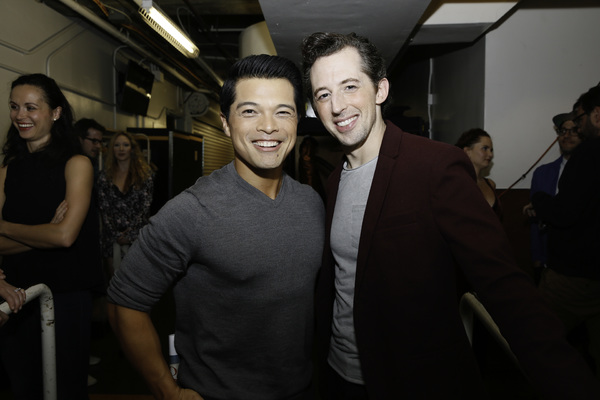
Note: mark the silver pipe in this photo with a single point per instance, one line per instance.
(107, 27)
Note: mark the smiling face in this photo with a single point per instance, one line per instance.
(262, 125)
(348, 103)
(122, 148)
(568, 139)
(31, 115)
(481, 153)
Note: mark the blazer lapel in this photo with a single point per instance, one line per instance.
(390, 148)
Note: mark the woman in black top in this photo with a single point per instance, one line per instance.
(48, 234)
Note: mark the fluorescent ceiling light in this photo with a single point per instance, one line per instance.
(162, 24)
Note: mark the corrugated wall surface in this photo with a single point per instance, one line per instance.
(217, 147)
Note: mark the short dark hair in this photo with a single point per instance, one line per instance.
(63, 143)
(590, 99)
(471, 137)
(322, 44)
(265, 67)
(84, 124)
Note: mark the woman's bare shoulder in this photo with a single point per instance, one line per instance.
(79, 165)
(79, 159)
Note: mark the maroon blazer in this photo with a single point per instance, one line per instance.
(423, 212)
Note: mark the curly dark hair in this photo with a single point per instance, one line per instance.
(63, 143)
(84, 124)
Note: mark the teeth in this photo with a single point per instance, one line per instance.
(25, 125)
(346, 122)
(264, 143)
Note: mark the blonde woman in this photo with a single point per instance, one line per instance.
(125, 188)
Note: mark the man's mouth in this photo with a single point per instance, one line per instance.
(346, 122)
(266, 143)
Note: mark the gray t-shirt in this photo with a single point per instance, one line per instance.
(243, 267)
(350, 205)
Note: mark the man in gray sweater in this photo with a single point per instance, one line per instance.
(242, 248)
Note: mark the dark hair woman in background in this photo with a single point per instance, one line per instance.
(477, 144)
(48, 234)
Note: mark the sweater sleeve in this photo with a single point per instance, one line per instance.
(161, 254)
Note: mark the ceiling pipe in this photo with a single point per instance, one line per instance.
(209, 70)
(109, 28)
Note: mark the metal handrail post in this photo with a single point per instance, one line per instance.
(48, 335)
(471, 306)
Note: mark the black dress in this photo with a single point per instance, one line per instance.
(33, 191)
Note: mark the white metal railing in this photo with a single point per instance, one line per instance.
(48, 336)
(470, 306)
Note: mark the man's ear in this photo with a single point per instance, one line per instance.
(225, 125)
(383, 89)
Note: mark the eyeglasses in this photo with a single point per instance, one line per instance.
(567, 131)
(94, 141)
(577, 118)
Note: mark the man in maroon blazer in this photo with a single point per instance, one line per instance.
(400, 210)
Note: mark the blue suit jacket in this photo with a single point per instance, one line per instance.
(573, 215)
(545, 179)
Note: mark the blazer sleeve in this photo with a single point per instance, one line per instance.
(482, 251)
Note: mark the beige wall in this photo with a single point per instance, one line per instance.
(538, 62)
(36, 39)
(532, 66)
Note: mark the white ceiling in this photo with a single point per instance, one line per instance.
(387, 23)
(215, 26)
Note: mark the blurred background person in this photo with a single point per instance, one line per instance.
(44, 179)
(571, 282)
(545, 179)
(312, 168)
(90, 135)
(477, 143)
(125, 187)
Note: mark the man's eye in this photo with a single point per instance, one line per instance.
(322, 96)
(248, 111)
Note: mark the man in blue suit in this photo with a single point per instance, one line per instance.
(571, 283)
(545, 179)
